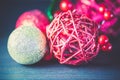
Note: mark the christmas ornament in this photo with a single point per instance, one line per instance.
(103, 39)
(33, 18)
(73, 38)
(107, 15)
(102, 8)
(27, 45)
(65, 5)
(107, 47)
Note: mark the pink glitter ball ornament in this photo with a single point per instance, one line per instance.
(33, 18)
(73, 38)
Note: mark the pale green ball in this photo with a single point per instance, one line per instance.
(27, 45)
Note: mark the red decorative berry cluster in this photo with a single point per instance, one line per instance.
(106, 13)
(65, 5)
(105, 45)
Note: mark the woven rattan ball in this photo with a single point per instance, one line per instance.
(73, 38)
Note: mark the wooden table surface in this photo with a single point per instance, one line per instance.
(103, 67)
(99, 69)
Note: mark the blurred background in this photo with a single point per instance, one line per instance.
(106, 66)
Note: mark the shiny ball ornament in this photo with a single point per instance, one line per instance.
(103, 39)
(73, 38)
(33, 18)
(107, 15)
(27, 45)
(107, 47)
(65, 5)
(101, 8)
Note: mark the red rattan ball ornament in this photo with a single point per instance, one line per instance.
(73, 38)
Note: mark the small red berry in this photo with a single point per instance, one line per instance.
(107, 15)
(103, 39)
(102, 9)
(65, 5)
(107, 47)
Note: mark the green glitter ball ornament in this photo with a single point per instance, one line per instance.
(27, 45)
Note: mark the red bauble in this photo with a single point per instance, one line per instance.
(73, 38)
(34, 18)
(107, 47)
(107, 15)
(65, 5)
(103, 39)
(101, 8)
